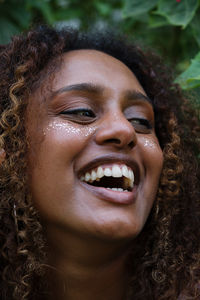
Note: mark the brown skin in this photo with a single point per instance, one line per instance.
(88, 236)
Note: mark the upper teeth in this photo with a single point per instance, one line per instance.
(112, 170)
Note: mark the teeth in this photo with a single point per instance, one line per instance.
(117, 189)
(131, 175)
(100, 172)
(108, 172)
(125, 171)
(115, 170)
(93, 175)
(87, 176)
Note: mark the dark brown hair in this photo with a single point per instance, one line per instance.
(166, 262)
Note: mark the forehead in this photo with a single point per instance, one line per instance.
(80, 66)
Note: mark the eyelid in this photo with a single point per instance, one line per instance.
(69, 101)
(143, 126)
(75, 115)
(144, 120)
(76, 110)
(140, 111)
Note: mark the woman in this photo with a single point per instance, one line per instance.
(99, 172)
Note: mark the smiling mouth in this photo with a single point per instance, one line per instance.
(115, 177)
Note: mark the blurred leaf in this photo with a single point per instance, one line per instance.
(43, 7)
(21, 16)
(178, 13)
(9, 29)
(191, 77)
(157, 21)
(158, 29)
(15, 13)
(66, 14)
(195, 25)
(103, 8)
(137, 7)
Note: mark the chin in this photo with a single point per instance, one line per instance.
(116, 230)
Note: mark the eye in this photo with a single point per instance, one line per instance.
(141, 125)
(79, 114)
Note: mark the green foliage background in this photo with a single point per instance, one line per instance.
(171, 27)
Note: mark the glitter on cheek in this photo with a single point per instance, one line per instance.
(67, 128)
(149, 142)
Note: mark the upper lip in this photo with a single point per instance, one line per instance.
(110, 159)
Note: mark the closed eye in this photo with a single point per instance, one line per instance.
(79, 114)
(141, 125)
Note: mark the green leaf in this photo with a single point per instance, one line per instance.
(67, 14)
(190, 79)
(8, 30)
(157, 21)
(134, 8)
(178, 13)
(195, 25)
(103, 8)
(43, 7)
(15, 13)
(21, 16)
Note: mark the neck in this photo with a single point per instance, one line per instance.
(87, 269)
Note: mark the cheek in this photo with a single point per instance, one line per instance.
(59, 145)
(52, 171)
(152, 157)
(66, 138)
(152, 160)
(152, 154)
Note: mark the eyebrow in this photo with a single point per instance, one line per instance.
(80, 87)
(92, 88)
(135, 95)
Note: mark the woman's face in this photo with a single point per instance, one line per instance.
(98, 133)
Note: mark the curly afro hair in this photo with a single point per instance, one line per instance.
(166, 262)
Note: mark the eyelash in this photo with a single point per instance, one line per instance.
(142, 121)
(78, 112)
(140, 124)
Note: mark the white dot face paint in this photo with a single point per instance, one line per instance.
(149, 142)
(67, 128)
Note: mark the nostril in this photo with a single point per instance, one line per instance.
(119, 142)
(131, 144)
(113, 141)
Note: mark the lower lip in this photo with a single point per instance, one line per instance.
(116, 197)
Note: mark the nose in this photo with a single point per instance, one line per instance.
(115, 130)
